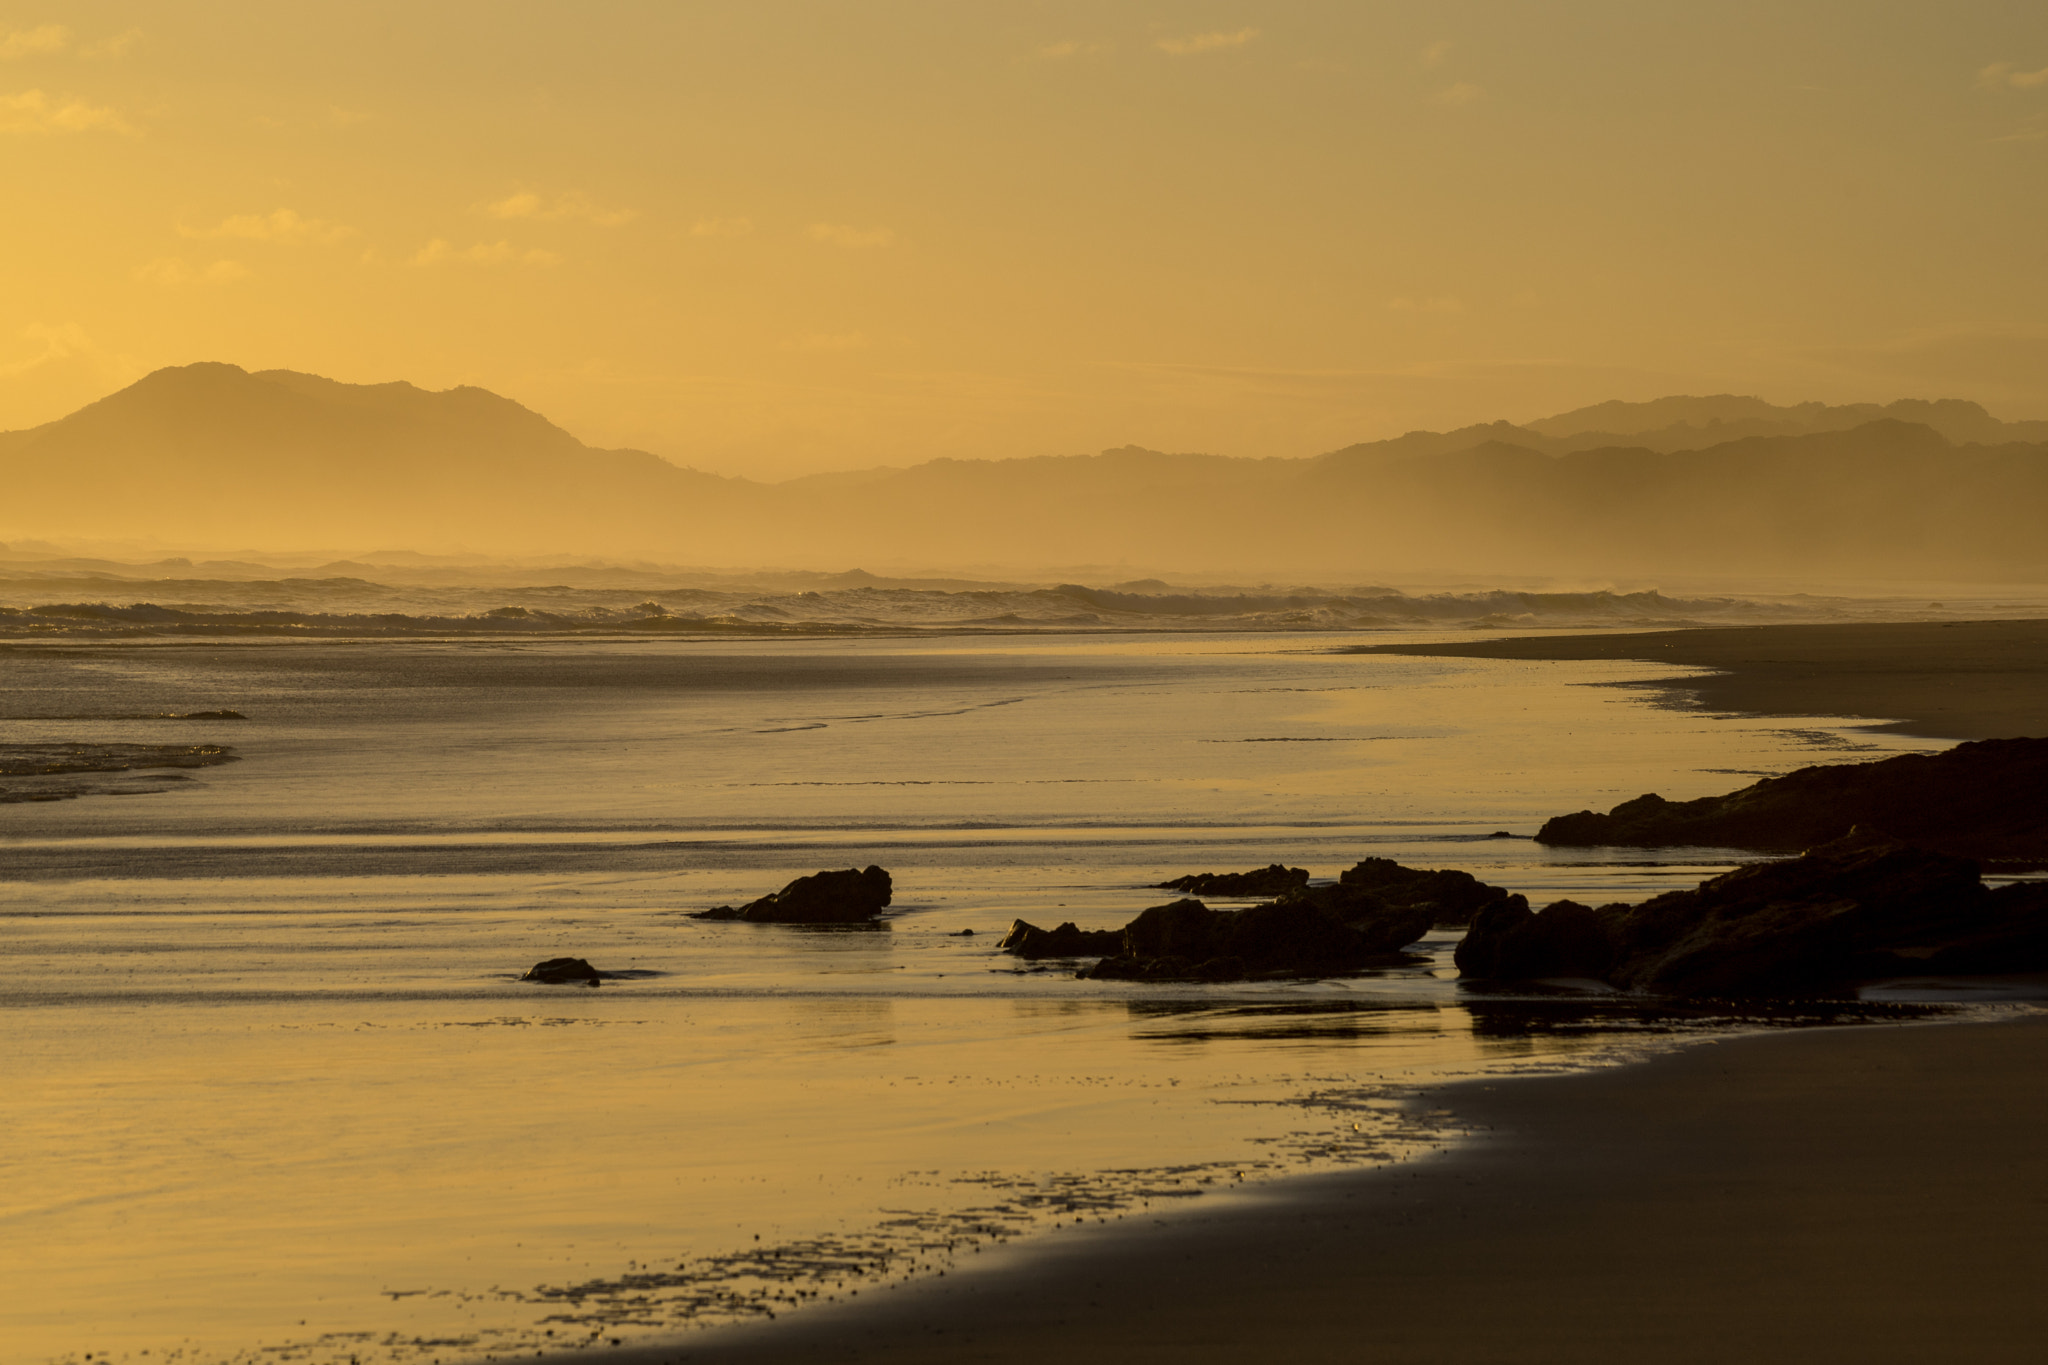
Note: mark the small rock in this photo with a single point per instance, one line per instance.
(562, 971)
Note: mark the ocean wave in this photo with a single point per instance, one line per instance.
(875, 610)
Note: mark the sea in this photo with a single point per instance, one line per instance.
(275, 1092)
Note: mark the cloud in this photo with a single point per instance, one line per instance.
(1061, 51)
(65, 370)
(483, 253)
(1441, 304)
(1433, 56)
(1205, 42)
(822, 341)
(34, 42)
(574, 204)
(172, 272)
(339, 117)
(2008, 76)
(111, 48)
(1459, 95)
(58, 343)
(280, 225)
(2034, 129)
(32, 112)
(844, 234)
(721, 227)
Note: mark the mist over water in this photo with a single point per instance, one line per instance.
(377, 1143)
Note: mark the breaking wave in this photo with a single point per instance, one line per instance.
(883, 610)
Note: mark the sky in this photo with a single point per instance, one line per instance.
(783, 236)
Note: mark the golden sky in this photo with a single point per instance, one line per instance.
(775, 236)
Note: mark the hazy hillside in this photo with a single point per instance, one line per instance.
(210, 455)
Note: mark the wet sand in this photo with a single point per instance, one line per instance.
(1947, 680)
(1872, 1193)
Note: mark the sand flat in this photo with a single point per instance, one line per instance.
(1944, 679)
(1872, 1193)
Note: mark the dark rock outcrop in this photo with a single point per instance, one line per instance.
(1028, 940)
(1987, 799)
(852, 896)
(562, 971)
(1509, 941)
(1860, 908)
(1451, 897)
(1271, 880)
(1320, 931)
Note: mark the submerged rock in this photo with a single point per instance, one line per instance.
(852, 896)
(561, 971)
(1859, 908)
(1028, 940)
(1987, 799)
(1451, 897)
(1271, 880)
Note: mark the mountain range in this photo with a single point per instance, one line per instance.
(210, 455)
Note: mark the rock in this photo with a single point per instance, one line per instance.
(1508, 941)
(1320, 931)
(1987, 799)
(560, 971)
(1028, 940)
(1451, 897)
(848, 897)
(1860, 908)
(1272, 880)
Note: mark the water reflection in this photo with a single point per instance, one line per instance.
(1193, 1021)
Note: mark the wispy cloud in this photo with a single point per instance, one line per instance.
(1195, 43)
(2008, 76)
(32, 112)
(845, 234)
(1069, 48)
(721, 227)
(340, 117)
(2034, 129)
(33, 42)
(110, 48)
(61, 342)
(1459, 95)
(173, 272)
(574, 204)
(1433, 56)
(483, 253)
(279, 225)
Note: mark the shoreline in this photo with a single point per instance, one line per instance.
(1957, 680)
(1869, 1192)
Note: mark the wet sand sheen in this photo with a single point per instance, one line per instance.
(1871, 1194)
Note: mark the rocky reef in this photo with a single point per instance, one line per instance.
(1451, 897)
(1859, 908)
(1320, 931)
(1271, 880)
(1029, 941)
(1987, 799)
(852, 896)
(1374, 911)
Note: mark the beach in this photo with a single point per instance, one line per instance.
(1867, 1193)
(1871, 1193)
(1946, 679)
(381, 1145)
